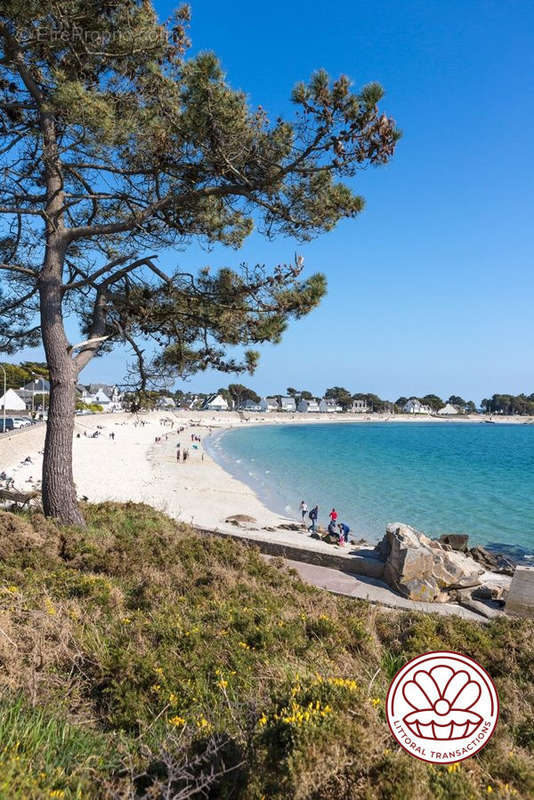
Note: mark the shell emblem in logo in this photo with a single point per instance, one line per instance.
(442, 699)
(442, 707)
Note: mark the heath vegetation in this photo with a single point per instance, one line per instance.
(141, 659)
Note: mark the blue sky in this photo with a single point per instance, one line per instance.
(431, 287)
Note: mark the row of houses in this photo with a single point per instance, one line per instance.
(289, 404)
(28, 398)
(285, 404)
(108, 396)
(415, 406)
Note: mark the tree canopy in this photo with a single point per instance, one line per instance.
(116, 145)
(509, 404)
(18, 375)
(240, 394)
(433, 401)
(341, 395)
(150, 149)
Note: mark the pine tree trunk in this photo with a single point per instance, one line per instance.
(58, 489)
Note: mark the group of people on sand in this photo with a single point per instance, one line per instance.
(184, 454)
(337, 531)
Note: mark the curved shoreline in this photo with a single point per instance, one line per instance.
(133, 467)
(279, 494)
(270, 499)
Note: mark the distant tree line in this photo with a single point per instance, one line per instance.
(19, 375)
(509, 404)
(236, 395)
(436, 403)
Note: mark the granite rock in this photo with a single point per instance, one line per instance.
(421, 568)
(456, 541)
(492, 561)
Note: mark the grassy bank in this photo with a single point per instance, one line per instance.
(139, 659)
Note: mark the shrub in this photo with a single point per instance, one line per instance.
(165, 661)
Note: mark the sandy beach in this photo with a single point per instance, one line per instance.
(134, 466)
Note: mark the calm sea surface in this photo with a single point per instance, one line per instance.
(441, 478)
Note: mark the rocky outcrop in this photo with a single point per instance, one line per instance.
(494, 591)
(456, 541)
(421, 568)
(467, 599)
(492, 561)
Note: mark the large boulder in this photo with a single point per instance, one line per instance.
(494, 562)
(420, 568)
(456, 541)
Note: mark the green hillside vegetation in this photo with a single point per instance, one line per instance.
(18, 375)
(142, 659)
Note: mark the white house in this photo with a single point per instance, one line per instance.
(12, 402)
(308, 406)
(215, 403)
(39, 386)
(192, 401)
(415, 406)
(448, 409)
(269, 404)
(104, 391)
(359, 407)
(106, 395)
(327, 406)
(250, 405)
(288, 404)
(101, 398)
(27, 393)
(166, 402)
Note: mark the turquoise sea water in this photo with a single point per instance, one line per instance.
(441, 478)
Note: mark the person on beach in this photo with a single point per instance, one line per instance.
(313, 515)
(332, 530)
(344, 531)
(178, 453)
(303, 509)
(333, 516)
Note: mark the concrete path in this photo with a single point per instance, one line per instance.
(300, 546)
(372, 590)
(338, 570)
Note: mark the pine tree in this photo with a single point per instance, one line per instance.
(115, 145)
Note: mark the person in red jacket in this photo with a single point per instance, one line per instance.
(333, 516)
